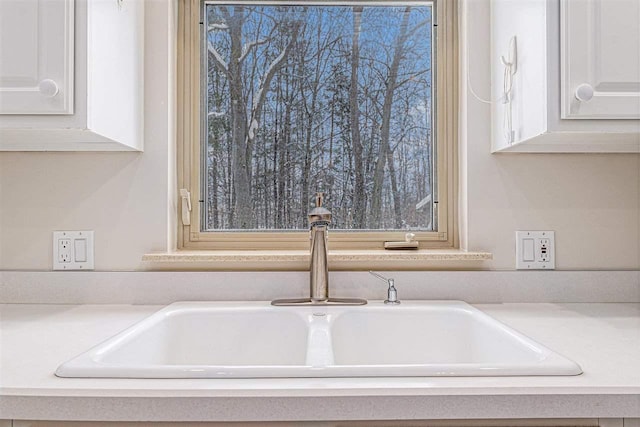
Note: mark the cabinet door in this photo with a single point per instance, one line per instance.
(36, 56)
(600, 58)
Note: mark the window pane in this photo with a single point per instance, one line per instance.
(300, 99)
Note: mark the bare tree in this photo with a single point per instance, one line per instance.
(245, 119)
(335, 100)
(358, 191)
(384, 153)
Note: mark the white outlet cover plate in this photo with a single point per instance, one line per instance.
(524, 262)
(82, 240)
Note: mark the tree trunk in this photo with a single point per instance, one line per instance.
(245, 122)
(394, 190)
(310, 112)
(392, 79)
(241, 164)
(358, 190)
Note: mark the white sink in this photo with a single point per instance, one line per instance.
(255, 340)
(439, 339)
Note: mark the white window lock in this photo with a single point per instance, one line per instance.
(186, 206)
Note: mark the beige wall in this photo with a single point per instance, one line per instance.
(591, 201)
(122, 196)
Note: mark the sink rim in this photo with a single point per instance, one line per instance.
(89, 365)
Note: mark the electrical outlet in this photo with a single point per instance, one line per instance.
(64, 250)
(543, 251)
(73, 250)
(535, 250)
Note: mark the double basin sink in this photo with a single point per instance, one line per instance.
(257, 340)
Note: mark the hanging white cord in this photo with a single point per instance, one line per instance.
(509, 71)
(507, 87)
(465, 23)
(475, 94)
(507, 123)
(471, 87)
(507, 81)
(510, 67)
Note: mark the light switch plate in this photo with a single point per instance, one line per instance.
(73, 250)
(535, 250)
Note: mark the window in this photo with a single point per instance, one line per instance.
(279, 100)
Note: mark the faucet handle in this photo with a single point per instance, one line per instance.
(319, 214)
(392, 292)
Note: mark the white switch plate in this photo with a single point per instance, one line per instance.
(73, 250)
(535, 250)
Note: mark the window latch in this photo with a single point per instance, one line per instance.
(186, 206)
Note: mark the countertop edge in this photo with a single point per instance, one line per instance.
(329, 408)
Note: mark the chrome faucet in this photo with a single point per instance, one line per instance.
(319, 220)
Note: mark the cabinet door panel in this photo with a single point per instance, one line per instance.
(600, 53)
(36, 57)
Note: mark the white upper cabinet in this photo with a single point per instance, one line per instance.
(600, 54)
(71, 75)
(36, 57)
(575, 82)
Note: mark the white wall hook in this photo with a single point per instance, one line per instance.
(512, 60)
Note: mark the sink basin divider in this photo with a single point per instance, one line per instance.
(319, 346)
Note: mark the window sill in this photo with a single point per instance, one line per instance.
(425, 259)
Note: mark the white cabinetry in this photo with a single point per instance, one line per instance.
(104, 42)
(36, 57)
(563, 45)
(600, 54)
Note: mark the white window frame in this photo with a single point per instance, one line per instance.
(190, 236)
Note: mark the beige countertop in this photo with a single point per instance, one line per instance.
(603, 338)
